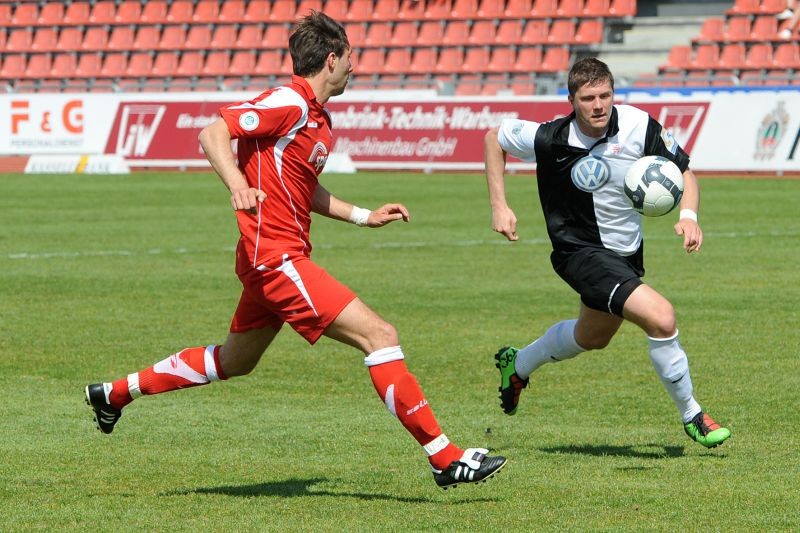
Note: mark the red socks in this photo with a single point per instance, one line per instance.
(188, 368)
(399, 390)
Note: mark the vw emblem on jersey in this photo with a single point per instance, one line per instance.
(590, 173)
(249, 120)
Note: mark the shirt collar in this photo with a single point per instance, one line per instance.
(307, 91)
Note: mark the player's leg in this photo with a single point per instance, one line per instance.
(359, 326)
(653, 313)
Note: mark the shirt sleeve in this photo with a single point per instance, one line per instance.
(517, 138)
(272, 116)
(660, 141)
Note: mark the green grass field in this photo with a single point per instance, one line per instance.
(102, 276)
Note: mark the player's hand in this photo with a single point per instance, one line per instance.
(692, 234)
(504, 221)
(387, 213)
(247, 199)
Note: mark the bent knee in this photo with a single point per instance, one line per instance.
(383, 335)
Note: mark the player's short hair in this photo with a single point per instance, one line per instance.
(588, 70)
(314, 37)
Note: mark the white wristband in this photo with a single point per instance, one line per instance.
(359, 216)
(688, 213)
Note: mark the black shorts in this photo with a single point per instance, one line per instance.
(603, 278)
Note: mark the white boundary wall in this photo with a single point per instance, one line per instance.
(725, 132)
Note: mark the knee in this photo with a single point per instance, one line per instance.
(663, 324)
(383, 335)
(593, 342)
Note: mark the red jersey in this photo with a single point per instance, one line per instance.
(284, 138)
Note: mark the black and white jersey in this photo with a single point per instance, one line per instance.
(595, 212)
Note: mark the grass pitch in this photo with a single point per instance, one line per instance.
(102, 276)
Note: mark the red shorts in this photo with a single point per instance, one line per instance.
(290, 289)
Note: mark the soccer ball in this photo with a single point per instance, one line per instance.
(654, 185)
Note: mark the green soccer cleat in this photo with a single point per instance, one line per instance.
(704, 430)
(511, 384)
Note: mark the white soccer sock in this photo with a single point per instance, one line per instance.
(557, 344)
(672, 366)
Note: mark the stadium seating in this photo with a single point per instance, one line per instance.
(180, 44)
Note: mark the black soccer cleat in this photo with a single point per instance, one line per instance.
(473, 467)
(105, 416)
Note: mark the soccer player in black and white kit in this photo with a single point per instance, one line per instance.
(597, 235)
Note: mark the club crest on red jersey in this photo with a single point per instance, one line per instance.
(319, 155)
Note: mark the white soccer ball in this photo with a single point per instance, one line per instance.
(654, 185)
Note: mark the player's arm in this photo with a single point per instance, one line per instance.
(503, 218)
(326, 204)
(687, 224)
(216, 142)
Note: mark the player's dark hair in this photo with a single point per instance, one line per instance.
(588, 70)
(314, 37)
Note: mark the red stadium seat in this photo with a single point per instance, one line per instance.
(269, 62)
(590, 31)
(13, 66)
(562, 31)
(468, 85)
(453, 59)
(423, 60)
(706, 57)
(356, 33)
(490, 9)
(165, 63)
(232, 11)
(217, 63)
(743, 7)
(622, 8)
(738, 29)
(509, 32)
(570, 8)
(712, 31)
(787, 56)
(69, 38)
(779, 77)
(457, 32)
(19, 40)
(224, 36)
(115, 64)
(172, 38)
(25, 15)
(89, 65)
(306, 6)
(370, 61)
(431, 33)
(250, 36)
(378, 34)
(529, 59)
(482, 31)
(276, 35)
(751, 78)
(536, 32)
(140, 64)
(494, 83)
(698, 78)
(771, 7)
(337, 9)
(180, 11)
(128, 12)
(403, 34)
(44, 40)
(764, 28)
(190, 64)
(243, 63)
(154, 12)
(147, 38)
(206, 11)
(122, 38)
(95, 38)
(51, 14)
(464, 9)
(523, 84)
(732, 56)
(518, 9)
(759, 56)
(556, 59)
(398, 60)
(283, 11)
(502, 59)
(596, 8)
(360, 10)
(411, 10)
(103, 12)
(544, 9)
(437, 10)
(198, 37)
(679, 58)
(385, 10)
(724, 78)
(38, 66)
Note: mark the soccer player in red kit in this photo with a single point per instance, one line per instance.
(284, 137)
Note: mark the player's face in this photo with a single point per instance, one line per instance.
(592, 105)
(341, 72)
